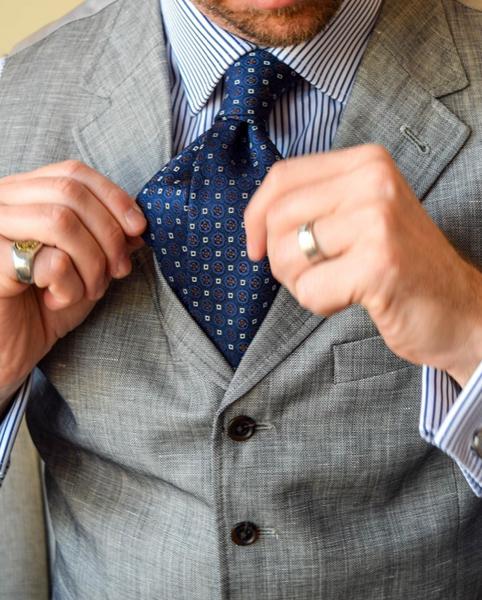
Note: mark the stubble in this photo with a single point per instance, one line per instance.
(277, 27)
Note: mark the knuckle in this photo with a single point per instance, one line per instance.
(377, 152)
(63, 219)
(115, 196)
(384, 180)
(73, 167)
(378, 304)
(277, 174)
(60, 264)
(390, 188)
(380, 173)
(69, 188)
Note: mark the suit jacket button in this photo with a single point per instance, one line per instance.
(244, 533)
(241, 428)
(477, 442)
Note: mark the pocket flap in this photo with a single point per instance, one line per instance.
(364, 358)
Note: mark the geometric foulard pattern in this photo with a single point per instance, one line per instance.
(195, 208)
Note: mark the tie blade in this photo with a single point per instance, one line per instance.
(195, 209)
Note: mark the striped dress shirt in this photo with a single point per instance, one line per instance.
(303, 121)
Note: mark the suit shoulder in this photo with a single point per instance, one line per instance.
(62, 46)
(87, 10)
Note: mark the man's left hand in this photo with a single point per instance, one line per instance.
(380, 249)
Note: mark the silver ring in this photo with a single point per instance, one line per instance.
(23, 255)
(308, 244)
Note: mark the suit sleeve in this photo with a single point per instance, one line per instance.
(451, 419)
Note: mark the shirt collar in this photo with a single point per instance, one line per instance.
(203, 51)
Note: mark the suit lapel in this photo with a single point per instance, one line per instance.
(394, 101)
(127, 136)
(410, 60)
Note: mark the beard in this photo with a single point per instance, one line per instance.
(276, 27)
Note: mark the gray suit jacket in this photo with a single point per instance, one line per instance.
(143, 482)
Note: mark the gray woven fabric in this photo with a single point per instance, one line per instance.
(23, 547)
(143, 483)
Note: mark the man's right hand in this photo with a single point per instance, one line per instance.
(89, 228)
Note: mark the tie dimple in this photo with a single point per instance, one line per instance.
(195, 207)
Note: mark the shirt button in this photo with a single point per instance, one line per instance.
(477, 442)
(244, 533)
(241, 428)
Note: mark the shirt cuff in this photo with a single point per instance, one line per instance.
(11, 424)
(451, 417)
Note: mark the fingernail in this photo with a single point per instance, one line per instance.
(135, 219)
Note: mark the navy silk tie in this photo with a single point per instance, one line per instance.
(195, 207)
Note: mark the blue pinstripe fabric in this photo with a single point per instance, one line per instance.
(449, 418)
(303, 121)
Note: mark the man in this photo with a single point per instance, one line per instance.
(184, 460)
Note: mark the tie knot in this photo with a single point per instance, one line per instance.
(252, 84)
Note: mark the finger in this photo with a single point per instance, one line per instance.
(134, 244)
(59, 227)
(55, 271)
(96, 218)
(341, 194)
(294, 174)
(334, 235)
(122, 207)
(331, 285)
(52, 269)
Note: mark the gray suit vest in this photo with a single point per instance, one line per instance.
(144, 483)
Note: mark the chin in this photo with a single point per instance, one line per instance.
(274, 4)
(271, 22)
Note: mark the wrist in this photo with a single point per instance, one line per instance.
(5, 405)
(468, 356)
(7, 394)
(463, 373)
